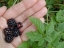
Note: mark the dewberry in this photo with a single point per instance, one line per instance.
(15, 32)
(7, 31)
(11, 23)
(8, 38)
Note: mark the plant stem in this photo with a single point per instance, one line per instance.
(15, 2)
(53, 11)
(47, 16)
(59, 4)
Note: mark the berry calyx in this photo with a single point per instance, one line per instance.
(19, 25)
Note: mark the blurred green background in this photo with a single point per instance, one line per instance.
(8, 3)
(53, 6)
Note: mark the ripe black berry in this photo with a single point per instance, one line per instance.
(19, 25)
(11, 22)
(7, 31)
(8, 38)
(15, 32)
(12, 28)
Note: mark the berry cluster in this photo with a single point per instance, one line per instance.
(12, 30)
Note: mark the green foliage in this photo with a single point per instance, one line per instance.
(35, 36)
(62, 36)
(50, 28)
(61, 45)
(61, 27)
(24, 45)
(51, 34)
(38, 24)
(35, 45)
(8, 3)
(60, 16)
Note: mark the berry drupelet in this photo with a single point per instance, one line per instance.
(7, 31)
(15, 32)
(11, 23)
(8, 38)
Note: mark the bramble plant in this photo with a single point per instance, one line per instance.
(48, 35)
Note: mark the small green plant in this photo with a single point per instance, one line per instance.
(47, 35)
(8, 3)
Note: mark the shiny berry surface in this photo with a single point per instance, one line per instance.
(11, 22)
(9, 38)
(7, 31)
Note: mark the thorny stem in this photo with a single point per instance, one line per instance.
(47, 16)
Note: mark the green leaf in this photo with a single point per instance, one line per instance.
(60, 27)
(34, 36)
(56, 37)
(49, 45)
(30, 42)
(24, 45)
(60, 16)
(49, 2)
(62, 36)
(39, 25)
(10, 3)
(48, 39)
(50, 28)
(61, 45)
(35, 45)
(41, 42)
(56, 41)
